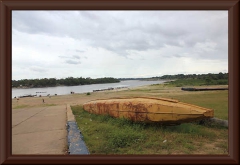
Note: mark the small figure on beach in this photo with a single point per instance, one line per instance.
(43, 100)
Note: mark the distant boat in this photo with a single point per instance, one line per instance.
(27, 96)
(203, 89)
(159, 110)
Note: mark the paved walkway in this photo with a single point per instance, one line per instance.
(39, 130)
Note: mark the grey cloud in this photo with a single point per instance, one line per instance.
(178, 56)
(71, 57)
(81, 51)
(72, 62)
(76, 57)
(123, 31)
(34, 22)
(37, 69)
(89, 15)
(63, 56)
(174, 55)
(75, 50)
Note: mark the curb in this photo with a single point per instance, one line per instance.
(76, 143)
(215, 121)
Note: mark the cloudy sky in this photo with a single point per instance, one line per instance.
(60, 44)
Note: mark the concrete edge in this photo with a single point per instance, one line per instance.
(75, 140)
(221, 122)
(70, 116)
(215, 121)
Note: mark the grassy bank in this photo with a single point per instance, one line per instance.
(217, 100)
(197, 82)
(107, 135)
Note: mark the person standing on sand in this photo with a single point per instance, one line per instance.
(43, 100)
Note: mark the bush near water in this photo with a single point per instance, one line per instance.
(181, 80)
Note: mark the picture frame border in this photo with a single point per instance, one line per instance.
(6, 7)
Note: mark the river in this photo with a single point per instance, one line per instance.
(64, 90)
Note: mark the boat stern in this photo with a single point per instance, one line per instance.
(209, 113)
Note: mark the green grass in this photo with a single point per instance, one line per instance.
(217, 100)
(185, 82)
(106, 135)
(24, 106)
(47, 105)
(196, 82)
(20, 106)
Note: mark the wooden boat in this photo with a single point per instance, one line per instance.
(160, 110)
(27, 96)
(203, 89)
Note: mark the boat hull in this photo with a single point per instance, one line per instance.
(148, 110)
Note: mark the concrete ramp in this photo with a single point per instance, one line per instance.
(40, 130)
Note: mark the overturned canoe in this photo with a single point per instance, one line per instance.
(159, 110)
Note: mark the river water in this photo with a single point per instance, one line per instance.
(65, 90)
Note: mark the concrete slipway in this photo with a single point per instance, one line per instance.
(46, 130)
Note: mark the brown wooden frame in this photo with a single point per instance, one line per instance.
(6, 6)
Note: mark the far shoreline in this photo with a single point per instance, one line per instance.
(25, 87)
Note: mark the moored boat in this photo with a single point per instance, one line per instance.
(160, 110)
(27, 96)
(203, 89)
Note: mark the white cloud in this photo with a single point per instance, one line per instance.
(207, 46)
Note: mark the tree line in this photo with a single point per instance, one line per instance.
(197, 79)
(69, 81)
(210, 76)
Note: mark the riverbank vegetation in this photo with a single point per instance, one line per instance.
(197, 82)
(70, 81)
(213, 76)
(174, 80)
(181, 80)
